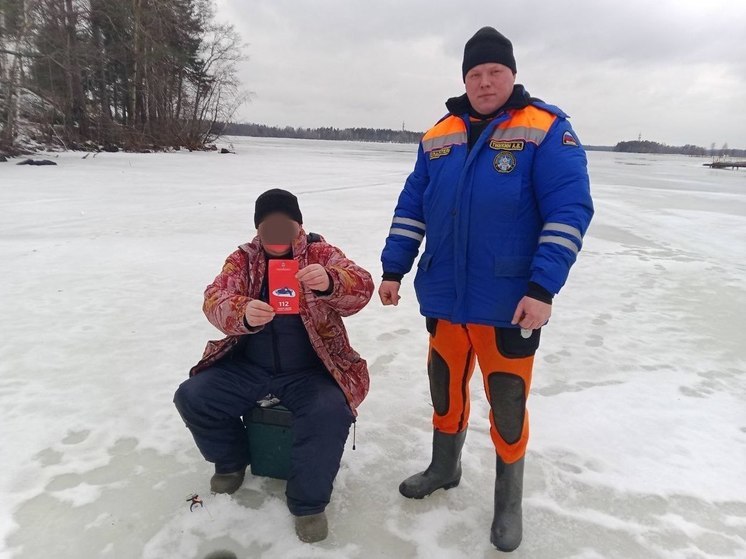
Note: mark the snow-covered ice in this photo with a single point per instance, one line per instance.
(638, 406)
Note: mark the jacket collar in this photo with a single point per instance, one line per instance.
(519, 99)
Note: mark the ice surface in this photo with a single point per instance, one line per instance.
(638, 406)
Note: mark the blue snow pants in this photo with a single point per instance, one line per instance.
(212, 402)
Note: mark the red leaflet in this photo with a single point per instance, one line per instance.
(284, 289)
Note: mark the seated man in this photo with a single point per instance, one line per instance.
(304, 359)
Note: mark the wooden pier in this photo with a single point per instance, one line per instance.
(725, 164)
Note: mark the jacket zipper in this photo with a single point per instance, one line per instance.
(275, 350)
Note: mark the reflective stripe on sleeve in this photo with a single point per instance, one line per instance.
(562, 228)
(567, 243)
(408, 221)
(406, 233)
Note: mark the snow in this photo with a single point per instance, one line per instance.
(638, 406)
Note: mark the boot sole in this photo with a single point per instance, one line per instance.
(446, 487)
(229, 490)
(505, 549)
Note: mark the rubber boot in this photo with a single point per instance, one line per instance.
(444, 470)
(312, 528)
(227, 483)
(507, 524)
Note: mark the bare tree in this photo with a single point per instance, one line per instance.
(15, 27)
(139, 73)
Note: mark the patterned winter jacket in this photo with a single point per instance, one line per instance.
(240, 281)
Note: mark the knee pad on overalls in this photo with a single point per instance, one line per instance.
(508, 402)
(508, 390)
(440, 378)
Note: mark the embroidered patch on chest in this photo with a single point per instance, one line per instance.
(504, 162)
(440, 152)
(515, 145)
(569, 140)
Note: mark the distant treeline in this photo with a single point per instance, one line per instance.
(324, 133)
(646, 146)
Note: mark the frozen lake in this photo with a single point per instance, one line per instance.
(638, 405)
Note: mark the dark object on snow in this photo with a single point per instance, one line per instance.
(110, 148)
(444, 471)
(195, 502)
(725, 164)
(227, 483)
(36, 162)
(507, 524)
(312, 528)
(226, 150)
(3, 159)
(221, 554)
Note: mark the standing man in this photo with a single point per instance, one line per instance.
(304, 358)
(500, 188)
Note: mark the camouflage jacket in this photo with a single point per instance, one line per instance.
(240, 281)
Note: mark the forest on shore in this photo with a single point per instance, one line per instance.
(136, 74)
(646, 146)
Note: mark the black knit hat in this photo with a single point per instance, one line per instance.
(487, 45)
(277, 201)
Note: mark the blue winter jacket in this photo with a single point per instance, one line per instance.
(511, 210)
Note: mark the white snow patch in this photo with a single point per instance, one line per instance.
(638, 405)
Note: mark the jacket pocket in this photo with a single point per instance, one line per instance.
(512, 267)
(513, 343)
(425, 261)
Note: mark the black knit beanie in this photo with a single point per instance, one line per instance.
(487, 45)
(277, 201)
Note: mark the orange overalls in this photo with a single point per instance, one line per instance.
(506, 358)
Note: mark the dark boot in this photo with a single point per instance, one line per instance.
(227, 483)
(443, 472)
(507, 524)
(312, 528)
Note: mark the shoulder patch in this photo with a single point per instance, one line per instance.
(569, 140)
(440, 152)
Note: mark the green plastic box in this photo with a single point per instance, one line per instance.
(270, 439)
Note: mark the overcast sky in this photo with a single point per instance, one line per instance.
(672, 70)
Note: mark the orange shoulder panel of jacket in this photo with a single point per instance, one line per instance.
(530, 117)
(449, 125)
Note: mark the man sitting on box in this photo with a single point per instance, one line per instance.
(295, 348)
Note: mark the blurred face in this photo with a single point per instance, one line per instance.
(277, 233)
(488, 86)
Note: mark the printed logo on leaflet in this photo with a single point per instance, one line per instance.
(504, 162)
(440, 152)
(283, 292)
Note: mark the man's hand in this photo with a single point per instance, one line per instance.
(389, 292)
(258, 313)
(315, 277)
(532, 314)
